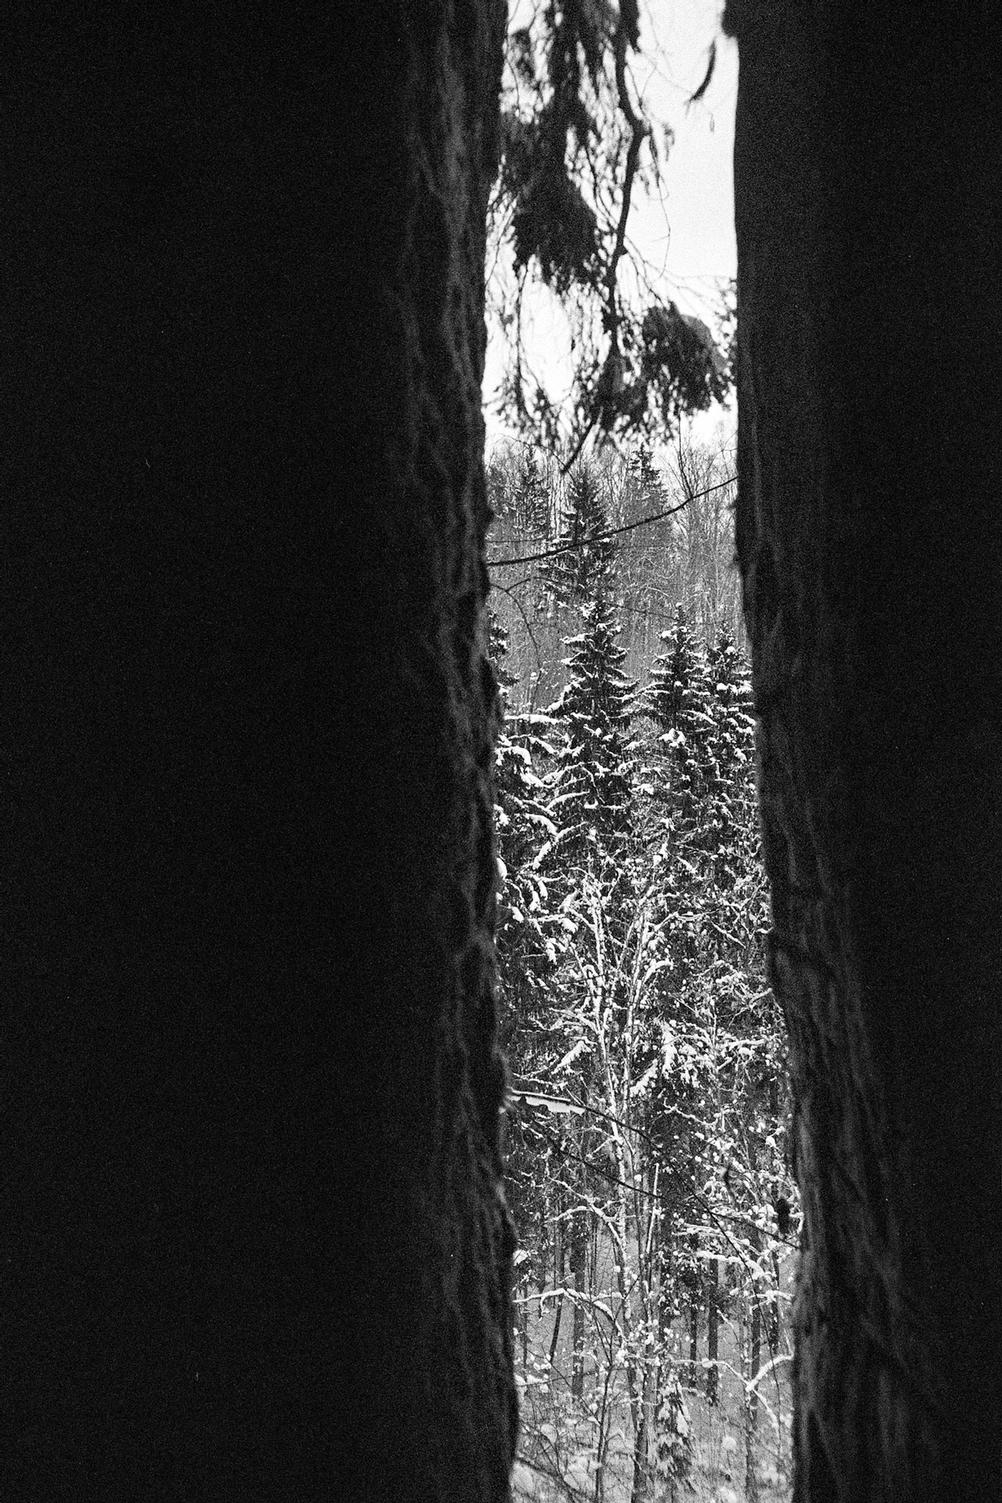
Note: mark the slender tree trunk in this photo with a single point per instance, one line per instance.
(751, 1399)
(251, 1094)
(579, 1267)
(867, 165)
(667, 1292)
(643, 1436)
(694, 1309)
(559, 1270)
(772, 1311)
(555, 1334)
(659, 1446)
(713, 1332)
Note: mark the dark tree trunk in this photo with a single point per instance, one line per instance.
(870, 542)
(579, 1265)
(247, 863)
(772, 1308)
(751, 1399)
(713, 1332)
(667, 1290)
(555, 1334)
(559, 1267)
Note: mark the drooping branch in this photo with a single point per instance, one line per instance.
(639, 131)
(573, 164)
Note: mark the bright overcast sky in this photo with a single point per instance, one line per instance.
(688, 239)
(698, 177)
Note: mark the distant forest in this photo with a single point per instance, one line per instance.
(647, 1161)
(683, 558)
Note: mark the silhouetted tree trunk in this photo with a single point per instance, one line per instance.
(667, 1294)
(579, 1265)
(250, 1230)
(870, 542)
(713, 1331)
(751, 1398)
(559, 1267)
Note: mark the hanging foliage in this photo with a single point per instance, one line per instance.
(579, 153)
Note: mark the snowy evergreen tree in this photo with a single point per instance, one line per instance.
(586, 568)
(592, 803)
(730, 686)
(665, 699)
(678, 701)
(644, 474)
(674, 1442)
(531, 494)
(731, 775)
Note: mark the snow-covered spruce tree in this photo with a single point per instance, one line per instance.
(715, 999)
(674, 1442)
(586, 568)
(644, 475)
(697, 759)
(677, 700)
(666, 694)
(591, 808)
(677, 707)
(593, 796)
(731, 791)
(531, 493)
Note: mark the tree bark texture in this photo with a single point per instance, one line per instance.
(251, 1234)
(870, 544)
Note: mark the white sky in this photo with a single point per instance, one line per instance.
(688, 238)
(700, 197)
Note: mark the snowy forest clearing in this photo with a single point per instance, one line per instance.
(647, 1166)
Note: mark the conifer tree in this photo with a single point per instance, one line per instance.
(664, 699)
(730, 686)
(644, 475)
(677, 700)
(731, 791)
(586, 568)
(594, 795)
(592, 809)
(674, 1443)
(531, 494)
